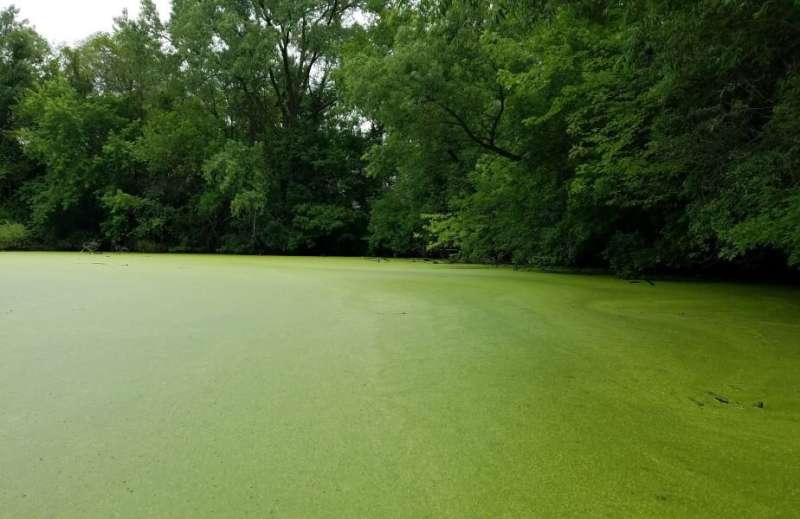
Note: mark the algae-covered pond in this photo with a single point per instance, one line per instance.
(200, 386)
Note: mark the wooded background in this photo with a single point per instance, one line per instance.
(636, 135)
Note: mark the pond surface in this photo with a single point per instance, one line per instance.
(209, 386)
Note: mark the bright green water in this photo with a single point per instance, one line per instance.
(192, 386)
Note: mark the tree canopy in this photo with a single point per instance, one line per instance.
(637, 135)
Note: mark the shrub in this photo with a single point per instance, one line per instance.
(13, 236)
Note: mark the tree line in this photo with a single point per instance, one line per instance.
(636, 135)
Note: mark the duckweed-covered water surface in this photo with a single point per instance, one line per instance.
(201, 386)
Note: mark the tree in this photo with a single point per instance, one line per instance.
(636, 135)
(641, 135)
(265, 69)
(24, 61)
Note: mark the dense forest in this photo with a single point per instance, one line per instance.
(636, 135)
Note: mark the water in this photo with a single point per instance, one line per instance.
(210, 386)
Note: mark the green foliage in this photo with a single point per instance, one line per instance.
(220, 131)
(23, 63)
(641, 136)
(132, 218)
(13, 236)
(314, 222)
(445, 232)
(67, 134)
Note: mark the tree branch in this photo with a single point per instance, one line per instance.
(496, 121)
(488, 145)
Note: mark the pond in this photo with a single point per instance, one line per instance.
(214, 386)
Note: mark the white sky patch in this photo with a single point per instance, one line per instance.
(71, 21)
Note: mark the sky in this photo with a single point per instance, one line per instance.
(70, 21)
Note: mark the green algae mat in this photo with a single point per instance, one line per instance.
(200, 386)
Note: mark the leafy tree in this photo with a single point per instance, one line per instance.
(640, 135)
(265, 69)
(24, 61)
(66, 133)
